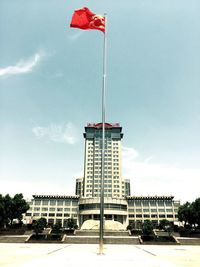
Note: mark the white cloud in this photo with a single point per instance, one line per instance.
(23, 66)
(60, 133)
(149, 178)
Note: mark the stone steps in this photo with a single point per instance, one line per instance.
(189, 241)
(96, 233)
(110, 237)
(107, 240)
(13, 239)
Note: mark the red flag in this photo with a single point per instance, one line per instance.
(86, 20)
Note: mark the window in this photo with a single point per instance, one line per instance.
(169, 210)
(152, 202)
(44, 214)
(66, 209)
(161, 210)
(44, 209)
(169, 216)
(145, 203)
(67, 202)
(52, 202)
(51, 214)
(74, 209)
(168, 203)
(138, 210)
(74, 203)
(59, 209)
(37, 202)
(108, 185)
(137, 203)
(36, 214)
(161, 203)
(131, 210)
(45, 202)
(59, 214)
(145, 210)
(52, 209)
(36, 209)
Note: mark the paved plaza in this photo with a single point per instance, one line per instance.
(71, 255)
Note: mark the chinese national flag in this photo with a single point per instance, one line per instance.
(86, 20)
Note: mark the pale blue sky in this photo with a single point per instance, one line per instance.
(50, 88)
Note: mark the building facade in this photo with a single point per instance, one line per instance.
(114, 185)
(118, 204)
(55, 208)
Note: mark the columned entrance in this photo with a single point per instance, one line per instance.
(114, 210)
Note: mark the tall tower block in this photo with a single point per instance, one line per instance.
(114, 184)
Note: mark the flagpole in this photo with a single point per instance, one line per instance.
(101, 230)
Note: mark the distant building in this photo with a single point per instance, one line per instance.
(118, 204)
(55, 208)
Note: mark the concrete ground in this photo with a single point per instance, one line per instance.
(72, 255)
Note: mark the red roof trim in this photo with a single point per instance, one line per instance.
(99, 125)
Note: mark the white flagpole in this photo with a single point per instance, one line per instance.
(101, 232)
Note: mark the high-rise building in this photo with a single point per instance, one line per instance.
(114, 184)
(118, 204)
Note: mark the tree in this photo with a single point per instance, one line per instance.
(56, 227)
(189, 213)
(12, 208)
(1, 211)
(166, 226)
(184, 213)
(39, 225)
(71, 223)
(147, 228)
(18, 207)
(163, 223)
(196, 210)
(5, 210)
(192, 215)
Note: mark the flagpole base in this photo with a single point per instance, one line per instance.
(101, 249)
